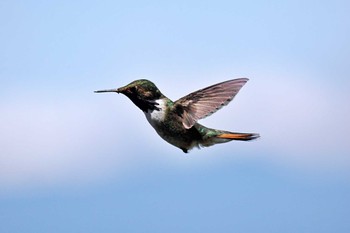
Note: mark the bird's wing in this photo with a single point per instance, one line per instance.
(204, 102)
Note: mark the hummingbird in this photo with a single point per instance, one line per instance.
(176, 122)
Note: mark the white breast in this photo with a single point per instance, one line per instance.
(156, 116)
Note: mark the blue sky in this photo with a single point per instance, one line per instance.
(74, 161)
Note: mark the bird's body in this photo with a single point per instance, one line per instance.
(176, 122)
(170, 128)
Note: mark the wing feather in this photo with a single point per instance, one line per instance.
(206, 101)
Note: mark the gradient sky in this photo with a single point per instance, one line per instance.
(75, 161)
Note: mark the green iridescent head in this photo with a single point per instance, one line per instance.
(141, 89)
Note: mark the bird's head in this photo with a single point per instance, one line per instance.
(141, 89)
(142, 92)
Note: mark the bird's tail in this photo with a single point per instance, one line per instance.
(238, 136)
(213, 136)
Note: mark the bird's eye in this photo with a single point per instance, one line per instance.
(133, 89)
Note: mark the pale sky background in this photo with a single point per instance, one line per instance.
(75, 161)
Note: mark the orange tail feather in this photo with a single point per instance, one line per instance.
(239, 136)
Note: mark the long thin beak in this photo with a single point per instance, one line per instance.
(108, 90)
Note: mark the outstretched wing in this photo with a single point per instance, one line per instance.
(205, 102)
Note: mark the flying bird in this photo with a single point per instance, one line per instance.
(176, 122)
